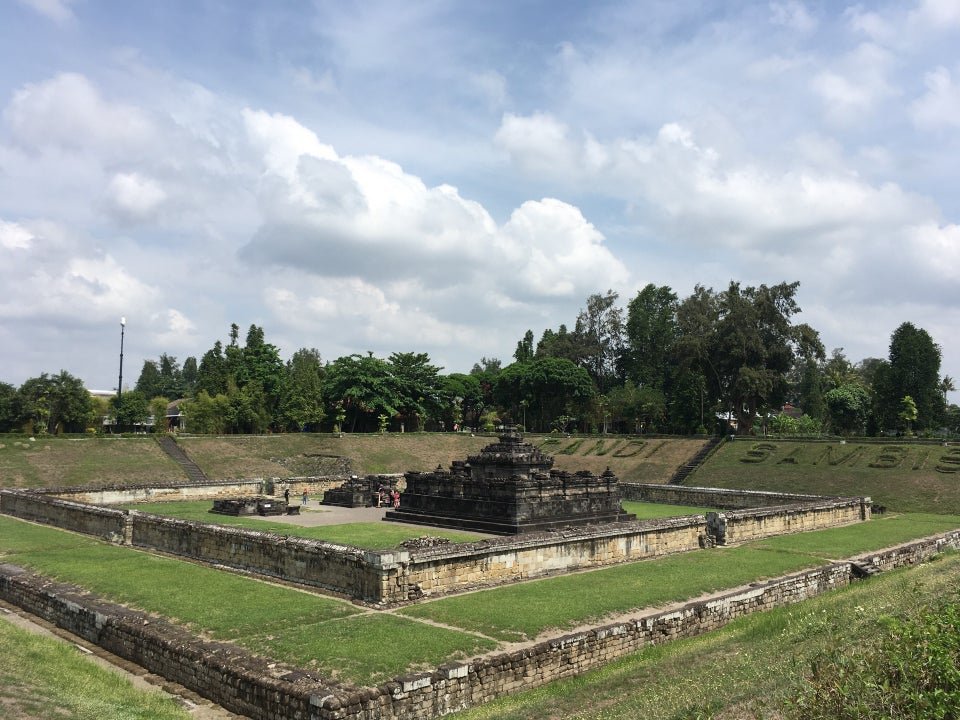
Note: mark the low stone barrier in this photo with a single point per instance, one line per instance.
(66, 514)
(260, 688)
(355, 572)
(397, 576)
(182, 490)
(720, 498)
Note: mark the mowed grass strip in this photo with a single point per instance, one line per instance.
(564, 602)
(371, 648)
(45, 678)
(748, 669)
(333, 636)
(368, 535)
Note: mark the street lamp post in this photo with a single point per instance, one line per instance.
(123, 323)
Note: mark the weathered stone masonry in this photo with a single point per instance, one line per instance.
(400, 575)
(263, 689)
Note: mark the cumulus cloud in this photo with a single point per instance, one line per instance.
(14, 236)
(365, 217)
(856, 85)
(69, 112)
(939, 107)
(134, 197)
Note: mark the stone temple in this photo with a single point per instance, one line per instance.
(509, 488)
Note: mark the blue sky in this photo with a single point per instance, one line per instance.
(441, 176)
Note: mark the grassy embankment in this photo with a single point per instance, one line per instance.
(41, 678)
(903, 476)
(57, 461)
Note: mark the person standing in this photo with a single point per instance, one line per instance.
(305, 499)
(286, 496)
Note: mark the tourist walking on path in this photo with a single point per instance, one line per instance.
(306, 498)
(286, 496)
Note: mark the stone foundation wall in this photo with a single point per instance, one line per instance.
(401, 575)
(756, 523)
(79, 517)
(339, 568)
(261, 689)
(720, 498)
(171, 492)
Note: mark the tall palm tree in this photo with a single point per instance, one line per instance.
(946, 385)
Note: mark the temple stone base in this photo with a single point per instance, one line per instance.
(360, 491)
(507, 489)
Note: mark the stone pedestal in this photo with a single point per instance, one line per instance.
(509, 488)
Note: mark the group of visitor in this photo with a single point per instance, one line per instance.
(388, 496)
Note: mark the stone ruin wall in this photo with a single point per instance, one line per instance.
(398, 576)
(721, 498)
(262, 689)
(176, 491)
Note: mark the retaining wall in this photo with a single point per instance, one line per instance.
(66, 514)
(401, 575)
(262, 689)
(171, 492)
(720, 498)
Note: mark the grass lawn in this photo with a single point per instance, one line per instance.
(369, 535)
(57, 461)
(331, 635)
(341, 640)
(42, 678)
(748, 669)
(902, 476)
(567, 601)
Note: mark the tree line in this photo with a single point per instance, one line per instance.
(715, 361)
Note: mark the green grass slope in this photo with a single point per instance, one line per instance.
(903, 476)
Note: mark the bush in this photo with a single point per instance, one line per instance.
(912, 672)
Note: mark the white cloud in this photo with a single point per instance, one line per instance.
(135, 197)
(937, 14)
(14, 236)
(68, 112)
(57, 10)
(855, 87)
(793, 14)
(339, 216)
(939, 107)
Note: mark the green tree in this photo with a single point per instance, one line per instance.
(213, 377)
(913, 369)
(551, 386)
(53, 404)
(599, 330)
(189, 375)
(207, 414)
(908, 413)
(363, 387)
(418, 387)
(130, 409)
(158, 411)
(150, 384)
(651, 333)
(9, 411)
(524, 351)
(746, 345)
(301, 407)
(849, 407)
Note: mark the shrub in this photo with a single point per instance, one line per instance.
(912, 672)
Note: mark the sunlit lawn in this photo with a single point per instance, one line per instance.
(339, 639)
(369, 535)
